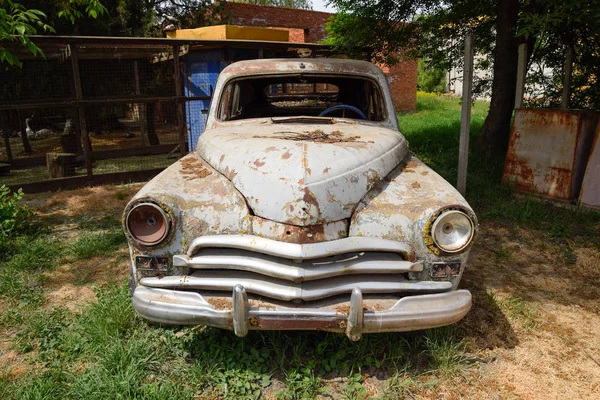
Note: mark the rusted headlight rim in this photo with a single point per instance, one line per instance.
(428, 231)
(165, 214)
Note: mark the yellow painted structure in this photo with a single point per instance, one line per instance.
(234, 32)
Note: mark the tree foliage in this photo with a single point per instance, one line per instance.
(430, 78)
(18, 22)
(434, 30)
(301, 4)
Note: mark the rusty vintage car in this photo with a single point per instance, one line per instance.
(300, 208)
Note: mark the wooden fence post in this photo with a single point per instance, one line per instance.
(465, 116)
(81, 110)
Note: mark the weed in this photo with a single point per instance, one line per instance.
(20, 288)
(105, 223)
(353, 389)
(559, 230)
(42, 329)
(15, 218)
(520, 310)
(301, 383)
(401, 386)
(109, 318)
(120, 195)
(94, 244)
(503, 254)
(445, 351)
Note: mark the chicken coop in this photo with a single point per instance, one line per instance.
(101, 110)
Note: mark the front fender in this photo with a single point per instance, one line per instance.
(200, 200)
(403, 206)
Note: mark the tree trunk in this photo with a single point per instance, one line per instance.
(495, 132)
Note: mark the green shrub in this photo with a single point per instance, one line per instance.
(14, 217)
(431, 78)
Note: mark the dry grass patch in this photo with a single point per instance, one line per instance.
(88, 201)
(71, 285)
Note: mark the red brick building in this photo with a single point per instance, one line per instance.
(307, 26)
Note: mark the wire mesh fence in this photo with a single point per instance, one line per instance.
(90, 110)
(111, 109)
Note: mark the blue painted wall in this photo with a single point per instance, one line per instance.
(201, 69)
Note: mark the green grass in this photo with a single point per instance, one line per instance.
(106, 351)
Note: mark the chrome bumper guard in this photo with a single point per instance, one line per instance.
(408, 314)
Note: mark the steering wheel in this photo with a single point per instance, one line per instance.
(343, 107)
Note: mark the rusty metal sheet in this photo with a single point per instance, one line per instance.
(548, 151)
(590, 188)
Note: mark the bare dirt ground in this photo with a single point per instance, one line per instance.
(533, 332)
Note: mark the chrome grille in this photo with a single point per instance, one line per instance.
(287, 271)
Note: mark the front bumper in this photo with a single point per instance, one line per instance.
(407, 314)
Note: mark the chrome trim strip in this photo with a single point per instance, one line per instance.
(347, 264)
(283, 290)
(295, 251)
(408, 314)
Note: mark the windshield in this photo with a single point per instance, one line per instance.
(301, 95)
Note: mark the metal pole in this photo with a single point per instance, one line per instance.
(178, 94)
(465, 117)
(521, 74)
(81, 110)
(567, 78)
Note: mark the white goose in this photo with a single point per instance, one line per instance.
(42, 133)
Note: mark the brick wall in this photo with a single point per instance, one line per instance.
(311, 23)
(307, 26)
(402, 79)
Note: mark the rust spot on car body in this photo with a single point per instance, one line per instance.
(220, 303)
(192, 168)
(326, 170)
(310, 198)
(415, 185)
(259, 163)
(286, 155)
(312, 136)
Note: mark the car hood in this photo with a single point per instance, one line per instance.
(303, 174)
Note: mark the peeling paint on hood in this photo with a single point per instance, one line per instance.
(303, 174)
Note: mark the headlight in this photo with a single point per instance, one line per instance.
(148, 224)
(452, 231)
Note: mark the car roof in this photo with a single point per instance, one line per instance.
(303, 65)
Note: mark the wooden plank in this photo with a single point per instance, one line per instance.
(80, 181)
(99, 101)
(465, 116)
(28, 162)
